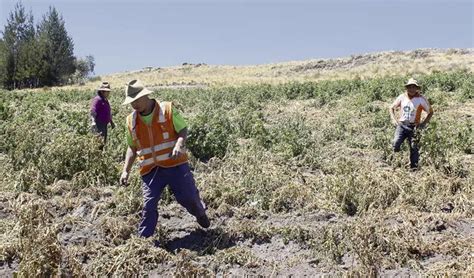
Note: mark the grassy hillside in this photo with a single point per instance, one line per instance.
(299, 178)
(363, 66)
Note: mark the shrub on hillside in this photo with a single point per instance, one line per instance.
(210, 135)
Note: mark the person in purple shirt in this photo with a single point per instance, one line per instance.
(101, 114)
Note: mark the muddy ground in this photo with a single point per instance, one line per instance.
(225, 250)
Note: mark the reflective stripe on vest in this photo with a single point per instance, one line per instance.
(150, 161)
(161, 113)
(157, 148)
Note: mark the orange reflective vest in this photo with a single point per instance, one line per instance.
(155, 142)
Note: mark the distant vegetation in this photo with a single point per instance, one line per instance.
(32, 57)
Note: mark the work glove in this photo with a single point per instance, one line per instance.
(124, 178)
(177, 151)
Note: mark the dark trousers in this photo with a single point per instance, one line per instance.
(407, 132)
(181, 182)
(102, 130)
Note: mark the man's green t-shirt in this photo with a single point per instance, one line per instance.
(178, 122)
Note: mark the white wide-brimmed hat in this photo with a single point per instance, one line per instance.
(412, 81)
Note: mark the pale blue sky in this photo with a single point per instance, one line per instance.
(129, 35)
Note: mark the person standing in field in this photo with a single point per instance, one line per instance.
(100, 112)
(411, 103)
(156, 134)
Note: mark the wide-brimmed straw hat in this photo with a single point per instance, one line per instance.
(412, 81)
(134, 91)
